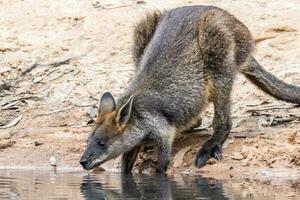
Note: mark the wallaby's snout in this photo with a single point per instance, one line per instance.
(83, 162)
(87, 159)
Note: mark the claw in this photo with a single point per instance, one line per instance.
(207, 152)
(201, 159)
(217, 152)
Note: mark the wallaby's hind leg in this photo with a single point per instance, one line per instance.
(222, 50)
(212, 148)
(128, 159)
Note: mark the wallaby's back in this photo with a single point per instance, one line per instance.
(174, 69)
(175, 53)
(171, 65)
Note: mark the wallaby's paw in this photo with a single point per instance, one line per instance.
(208, 151)
(161, 169)
(126, 171)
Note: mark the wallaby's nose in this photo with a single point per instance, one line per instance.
(83, 162)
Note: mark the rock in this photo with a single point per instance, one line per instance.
(53, 161)
(8, 47)
(170, 171)
(140, 2)
(227, 143)
(246, 161)
(86, 120)
(5, 135)
(264, 121)
(245, 151)
(240, 133)
(187, 171)
(292, 137)
(147, 167)
(37, 143)
(6, 143)
(98, 169)
(281, 29)
(237, 156)
(178, 158)
(92, 111)
(74, 149)
(38, 79)
(212, 161)
(239, 122)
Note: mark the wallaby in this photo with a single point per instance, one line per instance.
(185, 58)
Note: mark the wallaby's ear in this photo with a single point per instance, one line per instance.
(107, 103)
(124, 112)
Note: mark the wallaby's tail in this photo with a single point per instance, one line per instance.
(270, 84)
(143, 33)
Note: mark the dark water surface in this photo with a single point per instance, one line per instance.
(17, 184)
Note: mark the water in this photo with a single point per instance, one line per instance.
(17, 184)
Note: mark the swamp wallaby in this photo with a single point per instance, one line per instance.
(185, 58)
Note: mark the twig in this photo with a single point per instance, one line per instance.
(4, 86)
(10, 106)
(12, 82)
(282, 120)
(60, 75)
(62, 62)
(262, 38)
(111, 7)
(64, 73)
(272, 108)
(32, 67)
(87, 105)
(5, 102)
(41, 90)
(12, 123)
(53, 112)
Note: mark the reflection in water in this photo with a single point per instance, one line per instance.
(153, 187)
(78, 185)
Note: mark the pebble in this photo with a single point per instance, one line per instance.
(53, 161)
(37, 143)
(6, 143)
(237, 156)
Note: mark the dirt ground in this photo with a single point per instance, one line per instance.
(58, 57)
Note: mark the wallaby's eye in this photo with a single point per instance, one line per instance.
(101, 143)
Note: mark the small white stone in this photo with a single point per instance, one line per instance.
(53, 160)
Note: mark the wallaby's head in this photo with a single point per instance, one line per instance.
(109, 137)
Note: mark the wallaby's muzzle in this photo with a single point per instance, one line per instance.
(83, 162)
(93, 157)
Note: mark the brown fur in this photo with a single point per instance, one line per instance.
(108, 120)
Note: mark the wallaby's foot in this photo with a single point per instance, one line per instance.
(210, 149)
(163, 160)
(162, 168)
(164, 152)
